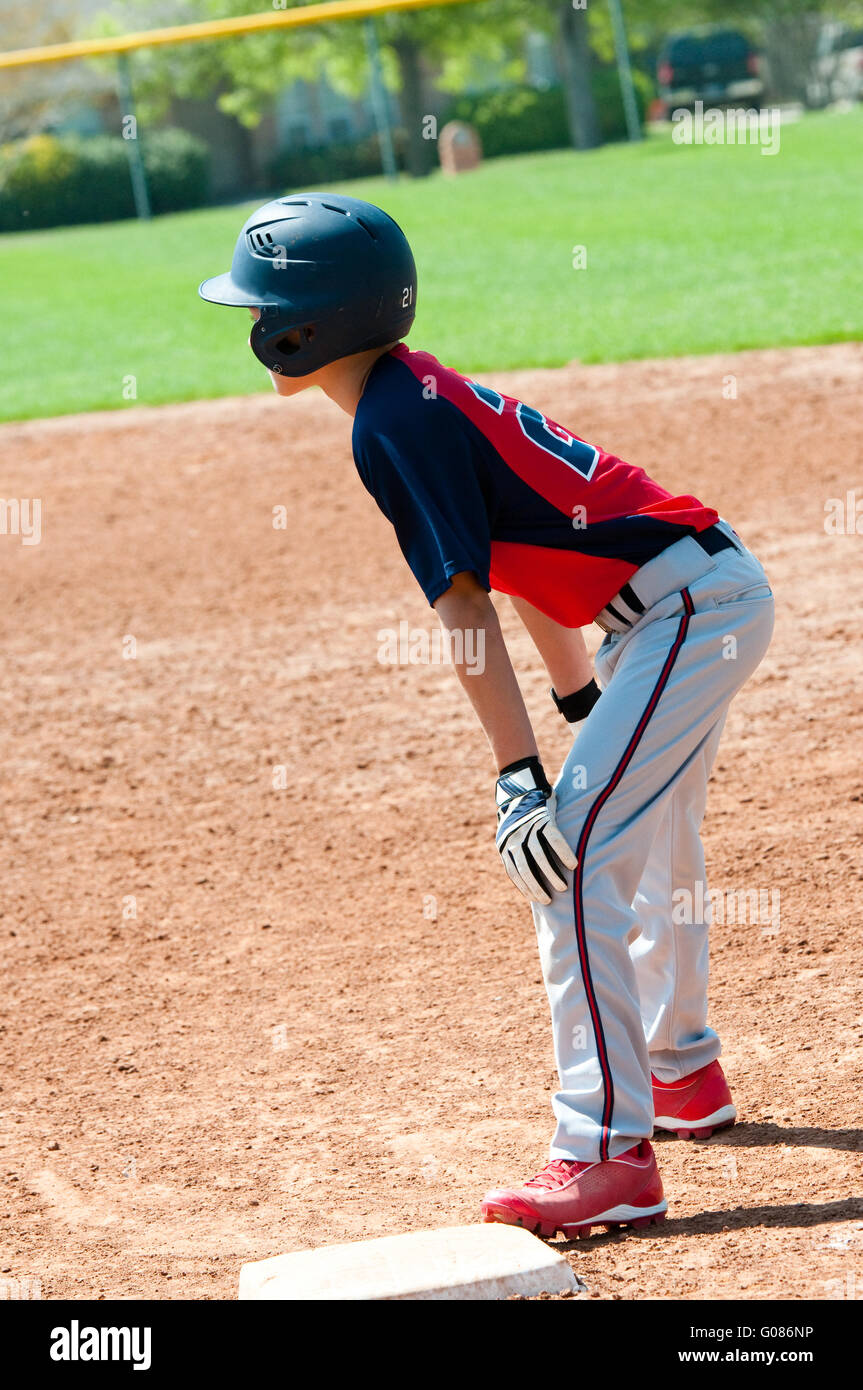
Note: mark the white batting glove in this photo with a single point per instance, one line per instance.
(533, 849)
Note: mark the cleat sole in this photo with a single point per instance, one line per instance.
(505, 1217)
(688, 1132)
(697, 1128)
(548, 1229)
(644, 1221)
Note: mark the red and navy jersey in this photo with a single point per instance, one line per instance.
(474, 480)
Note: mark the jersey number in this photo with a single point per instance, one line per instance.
(552, 438)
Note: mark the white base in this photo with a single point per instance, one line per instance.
(489, 1261)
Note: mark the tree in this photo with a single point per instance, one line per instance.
(246, 73)
(34, 98)
(577, 69)
(788, 31)
(456, 42)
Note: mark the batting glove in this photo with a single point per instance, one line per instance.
(533, 850)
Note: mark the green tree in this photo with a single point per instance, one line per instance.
(458, 43)
(246, 73)
(577, 65)
(34, 98)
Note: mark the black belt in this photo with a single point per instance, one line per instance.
(713, 540)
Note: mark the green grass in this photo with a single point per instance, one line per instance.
(690, 249)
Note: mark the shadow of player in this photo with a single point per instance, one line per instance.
(793, 1214)
(766, 1133)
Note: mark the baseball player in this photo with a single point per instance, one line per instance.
(485, 493)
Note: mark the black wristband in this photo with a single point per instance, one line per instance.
(536, 768)
(575, 706)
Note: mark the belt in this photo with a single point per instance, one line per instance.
(614, 617)
(713, 540)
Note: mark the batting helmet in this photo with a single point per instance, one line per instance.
(337, 270)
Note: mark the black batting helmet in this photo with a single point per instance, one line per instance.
(335, 269)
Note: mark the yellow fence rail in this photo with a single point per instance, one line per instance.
(214, 29)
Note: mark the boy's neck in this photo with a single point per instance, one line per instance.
(345, 380)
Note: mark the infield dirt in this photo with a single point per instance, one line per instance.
(241, 1018)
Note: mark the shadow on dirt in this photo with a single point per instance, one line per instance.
(744, 1135)
(736, 1219)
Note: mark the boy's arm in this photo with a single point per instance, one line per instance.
(562, 649)
(535, 853)
(489, 681)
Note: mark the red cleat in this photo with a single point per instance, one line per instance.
(695, 1106)
(572, 1197)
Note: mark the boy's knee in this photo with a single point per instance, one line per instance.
(572, 808)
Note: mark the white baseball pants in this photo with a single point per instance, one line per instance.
(627, 987)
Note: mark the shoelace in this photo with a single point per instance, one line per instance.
(558, 1171)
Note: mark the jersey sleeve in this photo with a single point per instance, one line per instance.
(427, 484)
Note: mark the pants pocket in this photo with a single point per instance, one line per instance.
(749, 591)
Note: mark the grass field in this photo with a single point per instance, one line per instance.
(689, 250)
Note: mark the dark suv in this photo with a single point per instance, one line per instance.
(712, 64)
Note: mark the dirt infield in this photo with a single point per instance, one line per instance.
(243, 1018)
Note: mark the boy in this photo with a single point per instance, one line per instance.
(485, 493)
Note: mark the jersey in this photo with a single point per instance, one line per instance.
(475, 480)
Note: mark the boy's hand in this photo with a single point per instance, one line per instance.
(534, 852)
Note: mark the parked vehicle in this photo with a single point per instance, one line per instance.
(837, 73)
(713, 64)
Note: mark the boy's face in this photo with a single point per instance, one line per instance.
(287, 385)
